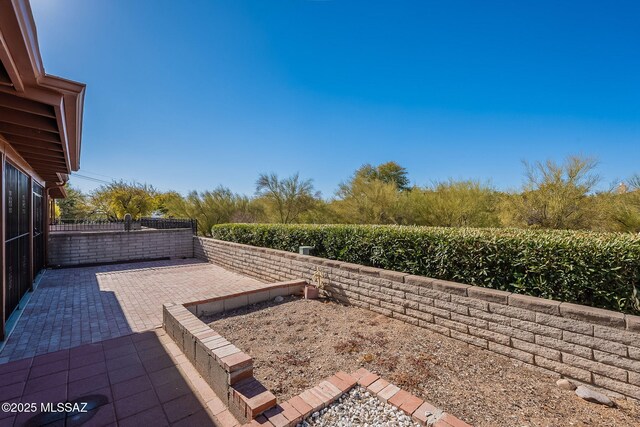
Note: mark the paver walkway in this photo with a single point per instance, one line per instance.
(77, 306)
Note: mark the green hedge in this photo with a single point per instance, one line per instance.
(597, 269)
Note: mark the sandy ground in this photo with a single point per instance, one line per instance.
(297, 343)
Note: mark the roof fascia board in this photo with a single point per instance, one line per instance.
(10, 65)
(64, 136)
(36, 94)
(73, 102)
(24, 16)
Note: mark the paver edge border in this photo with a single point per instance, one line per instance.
(299, 407)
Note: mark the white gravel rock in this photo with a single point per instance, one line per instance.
(359, 409)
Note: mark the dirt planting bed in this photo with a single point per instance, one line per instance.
(297, 343)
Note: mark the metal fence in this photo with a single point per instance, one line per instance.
(79, 225)
(87, 225)
(165, 223)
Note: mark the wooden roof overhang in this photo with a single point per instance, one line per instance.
(40, 114)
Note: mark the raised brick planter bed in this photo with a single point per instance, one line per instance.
(227, 370)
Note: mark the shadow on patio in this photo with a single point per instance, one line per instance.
(93, 333)
(75, 306)
(138, 379)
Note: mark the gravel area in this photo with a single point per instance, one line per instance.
(359, 408)
(297, 343)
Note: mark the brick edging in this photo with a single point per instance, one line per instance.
(296, 409)
(279, 285)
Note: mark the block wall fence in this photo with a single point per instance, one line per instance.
(95, 247)
(592, 346)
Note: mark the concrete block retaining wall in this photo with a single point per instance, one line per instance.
(95, 247)
(589, 345)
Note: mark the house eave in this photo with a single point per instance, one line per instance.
(62, 99)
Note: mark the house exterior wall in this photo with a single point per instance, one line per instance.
(9, 156)
(589, 345)
(98, 247)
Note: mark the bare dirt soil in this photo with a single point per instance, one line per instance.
(297, 343)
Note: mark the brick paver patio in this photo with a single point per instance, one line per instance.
(136, 380)
(78, 306)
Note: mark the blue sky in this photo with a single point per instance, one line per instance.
(194, 94)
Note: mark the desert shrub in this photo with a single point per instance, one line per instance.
(596, 269)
